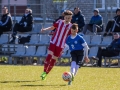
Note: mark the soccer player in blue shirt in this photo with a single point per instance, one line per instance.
(78, 48)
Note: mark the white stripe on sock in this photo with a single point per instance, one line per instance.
(76, 69)
(73, 66)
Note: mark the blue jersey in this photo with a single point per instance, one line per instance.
(76, 43)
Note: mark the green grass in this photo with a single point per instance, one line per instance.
(28, 78)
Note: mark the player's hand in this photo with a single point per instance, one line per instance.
(86, 59)
(42, 30)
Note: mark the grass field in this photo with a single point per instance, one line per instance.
(28, 78)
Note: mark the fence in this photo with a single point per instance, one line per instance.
(49, 11)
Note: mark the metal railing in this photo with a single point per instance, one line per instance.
(48, 12)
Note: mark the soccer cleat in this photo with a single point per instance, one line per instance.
(70, 82)
(43, 76)
(72, 79)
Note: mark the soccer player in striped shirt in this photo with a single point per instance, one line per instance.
(78, 48)
(57, 42)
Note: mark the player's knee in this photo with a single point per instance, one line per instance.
(74, 59)
(79, 64)
(54, 57)
(50, 52)
(46, 62)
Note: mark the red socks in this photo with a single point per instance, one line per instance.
(47, 62)
(51, 64)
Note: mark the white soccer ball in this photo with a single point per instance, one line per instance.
(67, 76)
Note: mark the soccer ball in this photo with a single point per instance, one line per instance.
(67, 76)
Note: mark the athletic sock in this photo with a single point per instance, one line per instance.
(47, 62)
(76, 69)
(52, 63)
(73, 66)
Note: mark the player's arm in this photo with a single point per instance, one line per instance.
(49, 28)
(65, 48)
(55, 25)
(86, 48)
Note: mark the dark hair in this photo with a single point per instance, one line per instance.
(118, 9)
(76, 8)
(74, 26)
(68, 12)
(115, 33)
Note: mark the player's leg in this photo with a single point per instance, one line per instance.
(47, 61)
(51, 50)
(73, 63)
(76, 69)
(72, 69)
(78, 63)
(51, 64)
(57, 53)
(73, 66)
(46, 65)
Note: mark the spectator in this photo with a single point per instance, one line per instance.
(25, 24)
(95, 24)
(78, 18)
(113, 25)
(60, 17)
(112, 50)
(6, 21)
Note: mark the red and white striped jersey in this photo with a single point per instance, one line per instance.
(61, 33)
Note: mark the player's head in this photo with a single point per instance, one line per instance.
(5, 10)
(74, 29)
(68, 16)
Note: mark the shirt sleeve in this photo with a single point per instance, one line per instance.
(85, 49)
(85, 46)
(56, 23)
(81, 39)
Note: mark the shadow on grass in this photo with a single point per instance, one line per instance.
(17, 81)
(42, 85)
